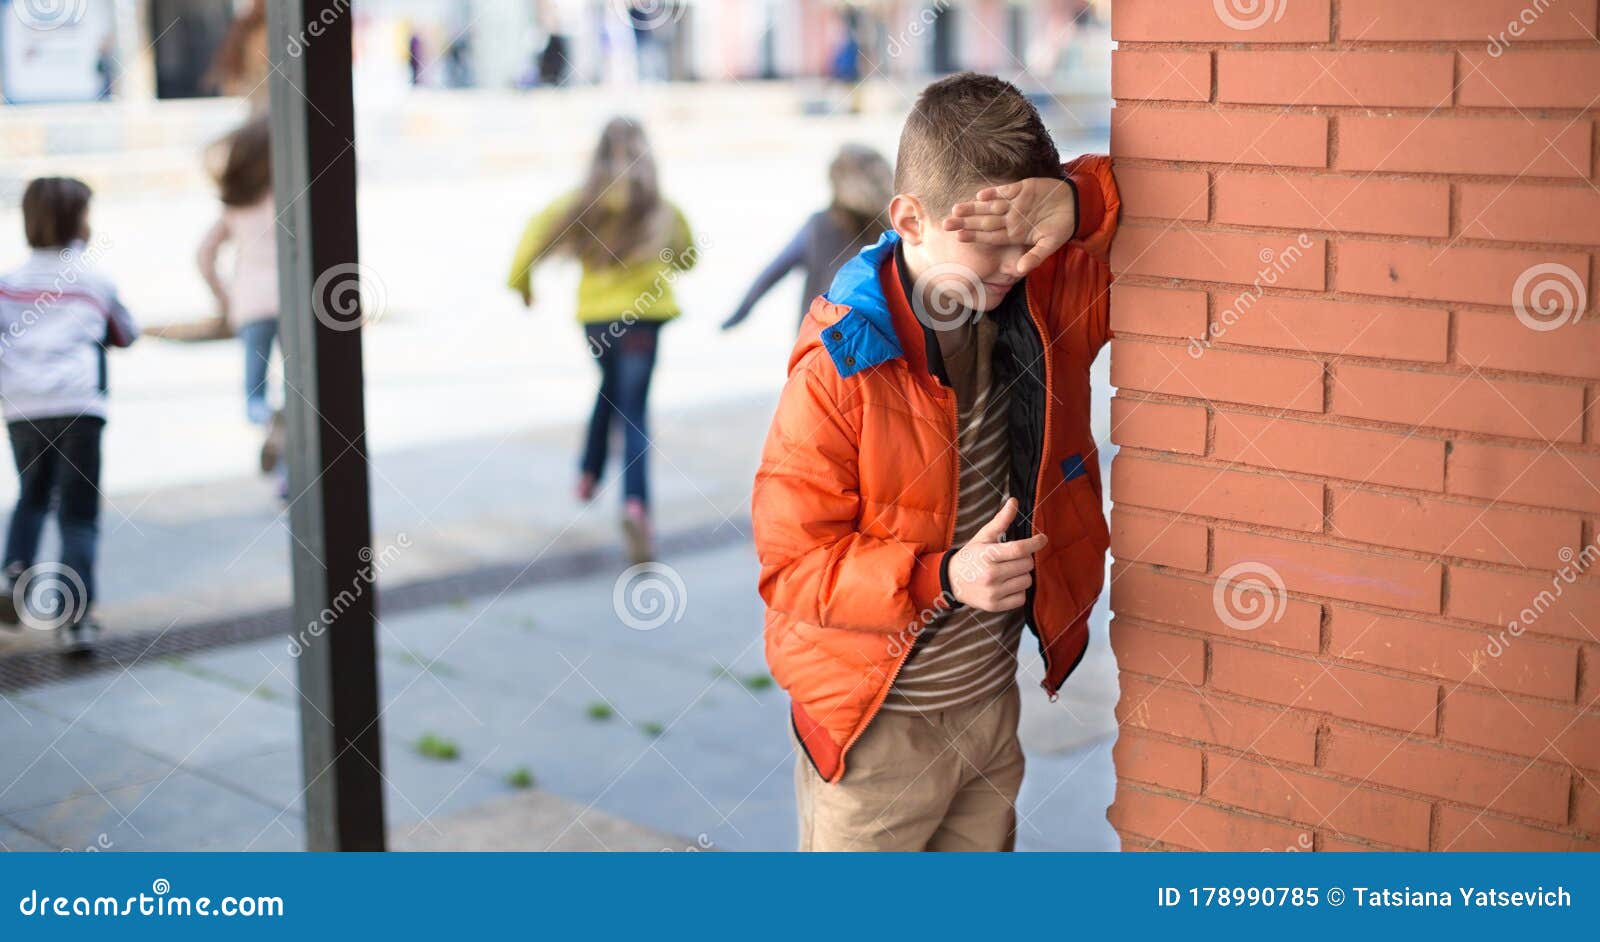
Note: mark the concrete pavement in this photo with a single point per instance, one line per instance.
(676, 729)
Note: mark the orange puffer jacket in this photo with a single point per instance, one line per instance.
(855, 500)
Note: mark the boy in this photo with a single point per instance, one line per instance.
(929, 484)
(57, 317)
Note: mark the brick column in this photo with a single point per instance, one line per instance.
(1357, 586)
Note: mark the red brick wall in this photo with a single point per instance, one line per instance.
(1357, 416)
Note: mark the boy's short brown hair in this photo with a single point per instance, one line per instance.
(969, 131)
(55, 211)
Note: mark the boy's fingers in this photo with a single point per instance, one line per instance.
(996, 527)
(986, 237)
(974, 223)
(981, 207)
(1014, 585)
(1005, 191)
(1037, 255)
(1010, 602)
(1018, 549)
(1004, 570)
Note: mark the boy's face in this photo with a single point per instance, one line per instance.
(956, 274)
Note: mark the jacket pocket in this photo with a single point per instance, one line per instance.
(1084, 500)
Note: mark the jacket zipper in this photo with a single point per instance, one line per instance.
(1038, 488)
(949, 539)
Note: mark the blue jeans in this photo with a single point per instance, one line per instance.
(257, 337)
(626, 355)
(57, 459)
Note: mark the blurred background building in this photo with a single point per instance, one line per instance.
(142, 49)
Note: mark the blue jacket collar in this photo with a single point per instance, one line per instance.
(865, 337)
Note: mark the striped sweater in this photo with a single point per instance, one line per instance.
(966, 654)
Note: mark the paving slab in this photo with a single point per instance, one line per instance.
(46, 759)
(15, 841)
(536, 821)
(172, 713)
(179, 812)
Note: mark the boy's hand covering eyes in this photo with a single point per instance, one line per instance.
(990, 575)
(1038, 213)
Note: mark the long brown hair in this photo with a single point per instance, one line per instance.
(239, 59)
(242, 163)
(618, 215)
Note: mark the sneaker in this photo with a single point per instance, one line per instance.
(272, 446)
(257, 412)
(79, 637)
(636, 532)
(8, 604)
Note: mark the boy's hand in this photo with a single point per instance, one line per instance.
(1039, 213)
(990, 575)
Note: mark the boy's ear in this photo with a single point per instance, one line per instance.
(907, 217)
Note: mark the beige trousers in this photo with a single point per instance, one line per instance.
(942, 780)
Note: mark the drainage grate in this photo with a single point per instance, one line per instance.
(124, 651)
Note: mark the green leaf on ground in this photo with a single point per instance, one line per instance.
(436, 668)
(756, 681)
(600, 712)
(431, 746)
(652, 729)
(520, 777)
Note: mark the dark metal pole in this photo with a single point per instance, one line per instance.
(314, 180)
